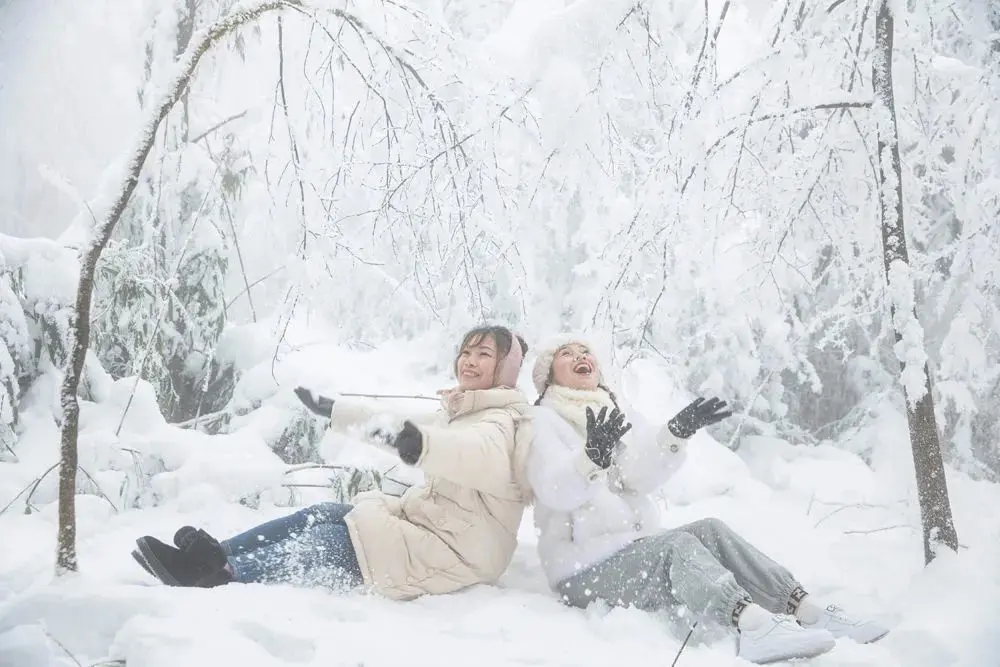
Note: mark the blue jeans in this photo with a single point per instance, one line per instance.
(310, 547)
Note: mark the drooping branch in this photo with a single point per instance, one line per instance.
(834, 5)
(79, 330)
(708, 44)
(785, 113)
(293, 144)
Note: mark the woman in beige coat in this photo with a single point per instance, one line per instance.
(458, 529)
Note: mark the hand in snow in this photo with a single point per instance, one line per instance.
(699, 414)
(603, 433)
(317, 403)
(409, 443)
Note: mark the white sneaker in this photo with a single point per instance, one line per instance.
(835, 621)
(781, 638)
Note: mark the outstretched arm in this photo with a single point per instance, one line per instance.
(647, 461)
(479, 456)
(374, 422)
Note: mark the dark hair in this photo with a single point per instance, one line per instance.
(502, 336)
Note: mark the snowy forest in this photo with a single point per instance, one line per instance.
(791, 205)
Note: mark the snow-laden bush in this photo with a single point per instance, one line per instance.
(37, 292)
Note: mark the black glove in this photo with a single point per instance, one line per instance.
(409, 443)
(699, 414)
(603, 435)
(317, 403)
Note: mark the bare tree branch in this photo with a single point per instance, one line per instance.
(771, 116)
(218, 125)
(834, 5)
(291, 136)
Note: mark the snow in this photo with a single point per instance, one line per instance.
(581, 198)
(849, 532)
(49, 269)
(910, 347)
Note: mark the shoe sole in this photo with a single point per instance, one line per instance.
(800, 654)
(142, 561)
(791, 658)
(875, 639)
(154, 563)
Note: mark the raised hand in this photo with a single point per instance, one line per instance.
(699, 414)
(603, 433)
(317, 403)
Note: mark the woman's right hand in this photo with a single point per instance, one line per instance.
(603, 433)
(317, 403)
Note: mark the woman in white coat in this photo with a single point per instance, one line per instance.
(592, 471)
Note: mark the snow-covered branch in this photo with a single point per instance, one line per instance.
(784, 113)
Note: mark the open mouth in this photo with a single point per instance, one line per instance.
(583, 368)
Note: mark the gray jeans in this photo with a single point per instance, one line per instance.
(703, 566)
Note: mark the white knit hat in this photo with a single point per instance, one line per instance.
(547, 354)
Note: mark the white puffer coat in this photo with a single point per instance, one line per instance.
(585, 514)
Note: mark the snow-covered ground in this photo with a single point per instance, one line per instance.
(849, 532)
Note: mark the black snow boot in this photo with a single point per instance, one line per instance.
(200, 545)
(178, 568)
(207, 550)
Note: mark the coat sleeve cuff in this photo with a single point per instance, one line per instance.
(670, 442)
(589, 470)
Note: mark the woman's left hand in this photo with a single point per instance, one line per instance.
(449, 397)
(699, 414)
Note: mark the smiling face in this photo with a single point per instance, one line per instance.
(575, 367)
(476, 365)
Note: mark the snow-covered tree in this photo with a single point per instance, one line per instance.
(932, 486)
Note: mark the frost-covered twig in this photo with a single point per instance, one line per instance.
(298, 467)
(243, 268)
(63, 647)
(284, 330)
(97, 486)
(19, 494)
(847, 506)
(293, 144)
(834, 5)
(785, 113)
(212, 419)
(38, 482)
(877, 530)
(708, 43)
(780, 22)
(414, 396)
(218, 125)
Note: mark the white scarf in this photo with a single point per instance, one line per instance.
(572, 404)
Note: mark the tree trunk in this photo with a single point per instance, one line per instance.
(79, 333)
(932, 486)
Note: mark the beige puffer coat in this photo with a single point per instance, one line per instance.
(460, 528)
